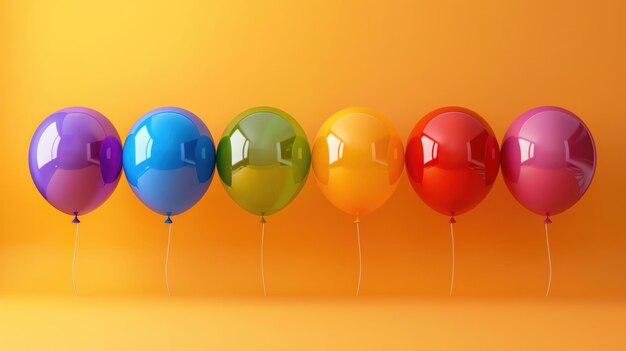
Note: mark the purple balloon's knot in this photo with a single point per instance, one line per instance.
(262, 220)
(452, 220)
(168, 220)
(75, 220)
(547, 220)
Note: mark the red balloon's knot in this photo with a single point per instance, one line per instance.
(547, 220)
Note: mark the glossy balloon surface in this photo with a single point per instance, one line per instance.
(75, 159)
(548, 159)
(169, 159)
(452, 159)
(263, 160)
(358, 158)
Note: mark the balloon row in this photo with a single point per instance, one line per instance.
(452, 157)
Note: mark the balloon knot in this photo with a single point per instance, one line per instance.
(262, 220)
(168, 220)
(452, 220)
(357, 220)
(547, 220)
(75, 220)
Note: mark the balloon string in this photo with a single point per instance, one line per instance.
(167, 259)
(549, 261)
(75, 290)
(358, 239)
(452, 240)
(262, 257)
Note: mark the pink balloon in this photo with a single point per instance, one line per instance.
(548, 159)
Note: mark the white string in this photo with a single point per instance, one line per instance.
(167, 260)
(549, 262)
(452, 237)
(75, 290)
(262, 259)
(358, 239)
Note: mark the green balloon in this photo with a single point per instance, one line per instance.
(263, 159)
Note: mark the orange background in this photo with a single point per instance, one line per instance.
(402, 58)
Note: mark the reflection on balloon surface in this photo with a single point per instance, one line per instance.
(548, 159)
(169, 159)
(358, 159)
(452, 159)
(263, 159)
(75, 159)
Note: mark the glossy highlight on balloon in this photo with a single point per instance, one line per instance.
(169, 159)
(75, 159)
(548, 159)
(263, 159)
(452, 159)
(358, 158)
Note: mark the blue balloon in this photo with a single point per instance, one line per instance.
(169, 159)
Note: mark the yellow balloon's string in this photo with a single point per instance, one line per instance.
(357, 221)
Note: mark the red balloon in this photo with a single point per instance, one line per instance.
(452, 159)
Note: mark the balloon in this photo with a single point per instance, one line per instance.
(452, 159)
(75, 159)
(169, 159)
(358, 158)
(263, 159)
(548, 159)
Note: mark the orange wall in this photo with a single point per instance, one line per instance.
(404, 59)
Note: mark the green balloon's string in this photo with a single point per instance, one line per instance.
(263, 221)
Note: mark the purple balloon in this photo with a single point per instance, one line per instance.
(75, 159)
(548, 159)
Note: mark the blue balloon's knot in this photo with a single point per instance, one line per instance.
(75, 220)
(168, 220)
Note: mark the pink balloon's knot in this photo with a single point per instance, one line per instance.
(75, 220)
(547, 220)
(452, 220)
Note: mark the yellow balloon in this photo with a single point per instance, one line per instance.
(357, 159)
